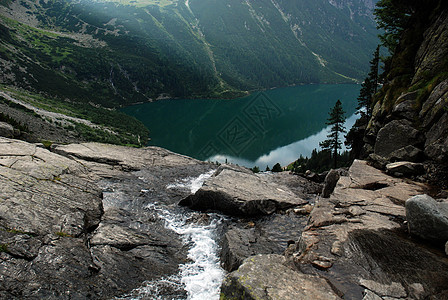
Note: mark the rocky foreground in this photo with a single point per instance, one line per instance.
(73, 223)
(76, 222)
(356, 244)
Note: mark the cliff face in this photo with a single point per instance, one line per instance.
(410, 115)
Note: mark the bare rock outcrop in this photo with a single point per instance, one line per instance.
(267, 277)
(75, 222)
(357, 241)
(234, 192)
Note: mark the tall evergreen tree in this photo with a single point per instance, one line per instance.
(370, 86)
(392, 16)
(336, 121)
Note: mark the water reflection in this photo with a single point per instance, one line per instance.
(285, 154)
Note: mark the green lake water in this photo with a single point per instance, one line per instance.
(261, 129)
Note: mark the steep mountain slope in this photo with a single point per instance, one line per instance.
(122, 52)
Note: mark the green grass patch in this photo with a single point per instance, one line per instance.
(62, 234)
(427, 87)
(47, 144)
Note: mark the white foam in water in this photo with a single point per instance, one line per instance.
(202, 277)
(193, 184)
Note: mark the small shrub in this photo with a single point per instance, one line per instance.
(4, 248)
(47, 144)
(256, 169)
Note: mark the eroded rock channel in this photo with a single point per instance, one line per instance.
(99, 221)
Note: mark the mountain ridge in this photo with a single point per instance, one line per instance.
(138, 51)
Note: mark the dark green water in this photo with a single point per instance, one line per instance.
(247, 129)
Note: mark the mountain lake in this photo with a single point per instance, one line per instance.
(262, 129)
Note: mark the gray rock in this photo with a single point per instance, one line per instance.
(434, 107)
(236, 247)
(395, 135)
(44, 192)
(377, 161)
(436, 145)
(408, 153)
(6, 130)
(351, 229)
(23, 246)
(406, 106)
(427, 218)
(237, 193)
(330, 183)
(429, 60)
(266, 277)
(232, 167)
(75, 224)
(393, 289)
(369, 295)
(265, 235)
(405, 168)
(446, 248)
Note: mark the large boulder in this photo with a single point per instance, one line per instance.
(395, 135)
(358, 240)
(267, 277)
(427, 218)
(239, 193)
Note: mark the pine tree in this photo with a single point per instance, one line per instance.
(391, 17)
(370, 86)
(336, 121)
(277, 168)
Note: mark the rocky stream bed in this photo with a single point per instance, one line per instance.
(98, 221)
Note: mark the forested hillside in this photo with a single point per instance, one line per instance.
(116, 53)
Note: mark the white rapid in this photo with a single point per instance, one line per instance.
(201, 277)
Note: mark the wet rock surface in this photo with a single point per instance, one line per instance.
(240, 193)
(75, 223)
(265, 235)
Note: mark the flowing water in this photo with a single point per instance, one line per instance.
(254, 130)
(200, 277)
